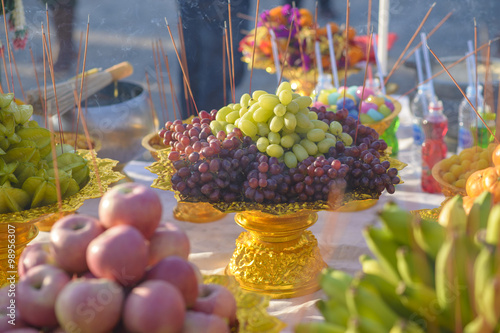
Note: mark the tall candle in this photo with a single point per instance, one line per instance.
(383, 31)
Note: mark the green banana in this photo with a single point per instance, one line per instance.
(429, 236)
(414, 267)
(493, 227)
(453, 214)
(403, 326)
(364, 325)
(366, 302)
(318, 327)
(478, 325)
(398, 222)
(333, 312)
(478, 215)
(454, 284)
(490, 301)
(483, 273)
(383, 246)
(384, 282)
(423, 301)
(334, 283)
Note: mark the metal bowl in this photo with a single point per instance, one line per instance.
(119, 116)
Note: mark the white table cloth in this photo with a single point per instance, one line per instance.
(339, 234)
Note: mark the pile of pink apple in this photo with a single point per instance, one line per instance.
(125, 272)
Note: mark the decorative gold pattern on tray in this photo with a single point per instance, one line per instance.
(72, 203)
(428, 214)
(252, 308)
(277, 256)
(164, 169)
(25, 233)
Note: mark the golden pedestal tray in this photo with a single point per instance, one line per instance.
(197, 212)
(277, 256)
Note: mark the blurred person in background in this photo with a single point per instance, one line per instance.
(203, 27)
(63, 14)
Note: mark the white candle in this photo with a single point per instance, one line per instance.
(383, 28)
(332, 56)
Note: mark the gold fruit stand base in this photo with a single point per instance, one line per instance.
(277, 256)
(197, 212)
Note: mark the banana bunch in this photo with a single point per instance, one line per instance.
(27, 174)
(425, 277)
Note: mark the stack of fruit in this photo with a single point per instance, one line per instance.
(121, 272)
(427, 276)
(452, 173)
(273, 148)
(27, 174)
(487, 179)
(371, 108)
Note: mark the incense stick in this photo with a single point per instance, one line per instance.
(51, 129)
(48, 49)
(462, 92)
(231, 78)
(180, 30)
(172, 91)
(488, 86)
(224, 67)
(79, 106)
(254, 45)
(17, 74)
(182, 67)
(428, 36)
(409, 43)
(346, 62)
(369, 21)
(8, 48)
(232, 53)
(363, 89)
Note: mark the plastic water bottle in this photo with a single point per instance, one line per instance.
(467, 117)
(419, 107)
(434, 149)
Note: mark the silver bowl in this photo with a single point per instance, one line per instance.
(119, 122)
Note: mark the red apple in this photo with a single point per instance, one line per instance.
(178, 272)
(168, 240)
(37, 292)
(90, 306)
(119, 254)
(10, 317)
(154, 307)
(70, 237)
(199, 322)
(216, 299)
(131, 204)
(34, 255)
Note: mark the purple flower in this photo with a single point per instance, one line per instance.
(286, 10)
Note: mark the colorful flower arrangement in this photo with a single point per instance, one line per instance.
(301, 50)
